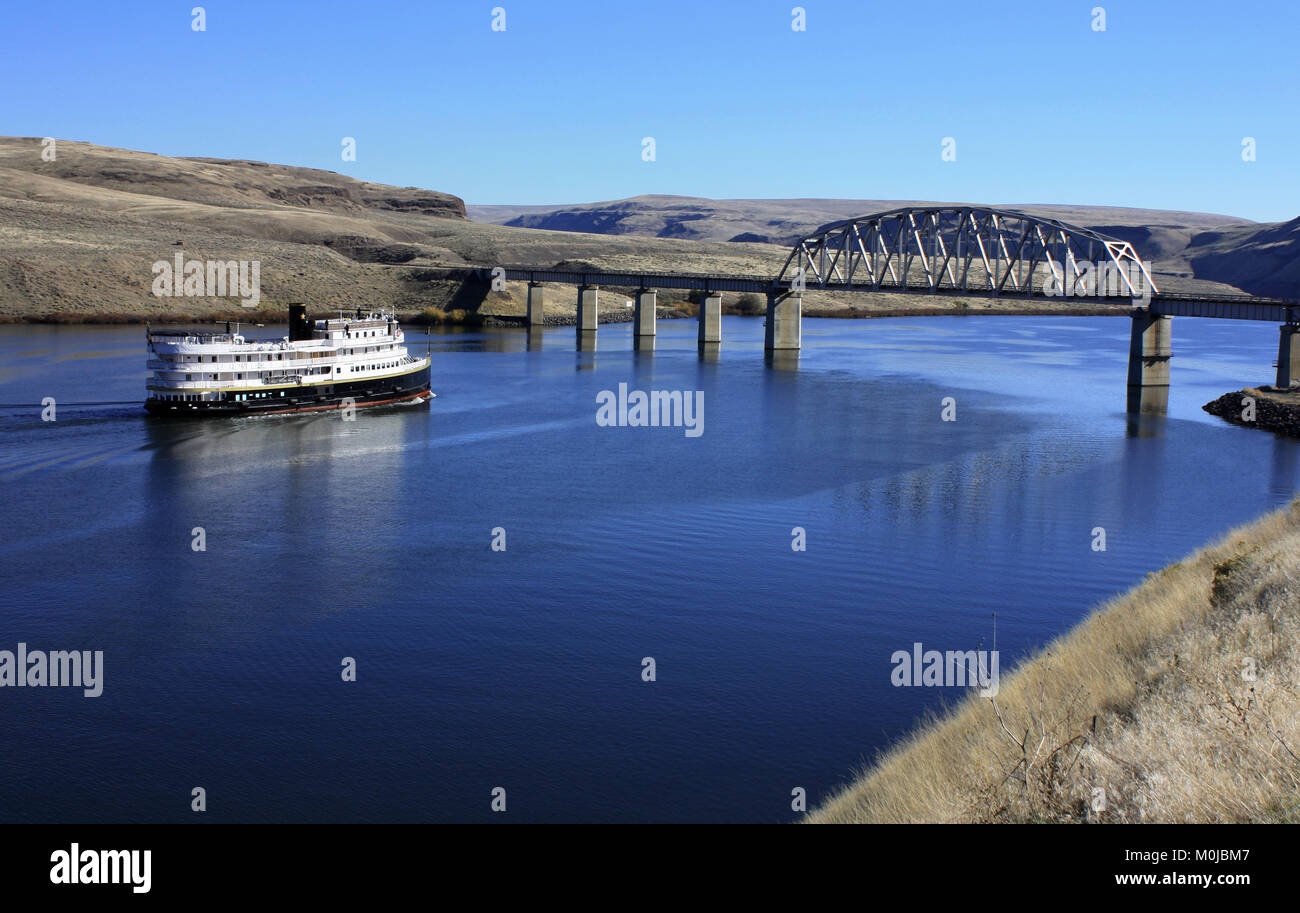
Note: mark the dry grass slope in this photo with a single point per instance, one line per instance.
(1180, 701)
(79, 236)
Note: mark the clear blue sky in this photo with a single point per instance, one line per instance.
(1151, 112)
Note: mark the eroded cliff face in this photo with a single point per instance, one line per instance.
(231, 183)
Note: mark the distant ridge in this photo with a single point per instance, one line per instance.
(1185, 244)
(785, 221)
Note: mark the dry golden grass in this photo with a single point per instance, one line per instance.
(1176, 702)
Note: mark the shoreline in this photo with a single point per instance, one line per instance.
(1176, 701)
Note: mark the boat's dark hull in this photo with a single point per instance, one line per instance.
(317, 398)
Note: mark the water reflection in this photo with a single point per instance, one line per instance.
(1139, 424)
(1284, 476)
(504, 339)
(184, 452)
(782, 359)
(1148, 400)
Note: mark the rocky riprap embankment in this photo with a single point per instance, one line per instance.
(1274, 410)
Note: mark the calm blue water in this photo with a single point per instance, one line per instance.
(522, 669)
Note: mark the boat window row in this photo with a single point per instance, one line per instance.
(323, 369)
(275, 356)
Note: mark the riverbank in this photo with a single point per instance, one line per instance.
(1178, 701)
(1266, 408)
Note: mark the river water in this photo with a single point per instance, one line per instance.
(523, 668)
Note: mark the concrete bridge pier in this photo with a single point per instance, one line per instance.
(536, 305)
(587, 316)
(643, 319)
(1288, 355)
(784, 319)
(1150, 348)
(711, 321)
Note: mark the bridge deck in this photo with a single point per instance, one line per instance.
(692, 282)
(1230, 307)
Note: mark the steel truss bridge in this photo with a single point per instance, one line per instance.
(967, 251)
(953, 251)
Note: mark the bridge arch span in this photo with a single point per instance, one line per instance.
(966, 250)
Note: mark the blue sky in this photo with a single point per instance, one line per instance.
(1150, 113)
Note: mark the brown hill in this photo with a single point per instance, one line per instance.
(79, 236)
(786, 221)
(1262, 259)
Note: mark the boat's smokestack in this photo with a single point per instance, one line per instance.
(299, 327)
